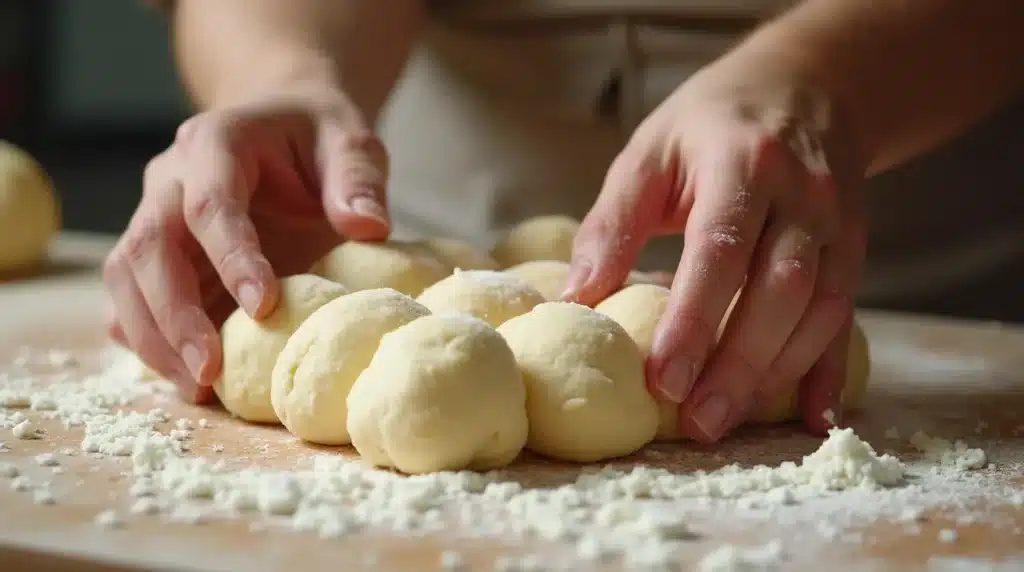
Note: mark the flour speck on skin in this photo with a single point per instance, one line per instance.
(948, 535)
(643, 516)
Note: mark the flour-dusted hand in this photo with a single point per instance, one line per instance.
(750, 168)
(246, 193)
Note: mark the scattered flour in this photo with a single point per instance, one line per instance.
(639, 514)
(731, 558)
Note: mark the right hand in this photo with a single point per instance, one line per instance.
(244, 194)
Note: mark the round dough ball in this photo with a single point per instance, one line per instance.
(29, 213)
(407, 267)
(492, 296)
(251, 347)
(547, 276)
(547, 237)
(858, 370)
(442, 393)
(637, 309)
(584, 378)
(325, 355)
(455, 253)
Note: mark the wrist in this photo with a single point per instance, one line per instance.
(281, 72)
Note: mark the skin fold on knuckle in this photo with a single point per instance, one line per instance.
(793, 277)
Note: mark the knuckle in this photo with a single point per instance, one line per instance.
(794, 276)
(143, 238)
(724, 239)
(200, 208)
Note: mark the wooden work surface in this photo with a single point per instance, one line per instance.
(938, 375)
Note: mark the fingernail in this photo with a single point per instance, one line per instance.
(250, 296)
(578, 277)
(367, 207)
(194, 360)
(677, 378)
(712, 415)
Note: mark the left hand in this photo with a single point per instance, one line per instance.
(753, 170)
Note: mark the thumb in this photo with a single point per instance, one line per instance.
(353, 168)
(627, 212)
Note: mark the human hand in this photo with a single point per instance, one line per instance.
(243, 195)
(755, 171)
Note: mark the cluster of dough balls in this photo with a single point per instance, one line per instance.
(429, 356)
(29, 211)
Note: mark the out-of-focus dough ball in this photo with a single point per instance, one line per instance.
(858, 370)
(322, 359)
(492, 296)
(547, 237)
(251, 347)
(584, 378)
(407, 267)
(455, 253)
(29, 212)
(442, 393)
(547, 276)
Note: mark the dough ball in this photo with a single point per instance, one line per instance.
(492, 296)
(251, 347)
(29, 213)
(584, 379)
(407, 267)
(325, 355)
(637, 309)
(442, 393)
(858, 370)
(547, 276)
(547, 237)
(455, 253)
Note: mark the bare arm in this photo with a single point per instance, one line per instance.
(230, 50)
(906, 74)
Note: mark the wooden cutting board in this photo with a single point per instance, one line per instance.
(938, 375)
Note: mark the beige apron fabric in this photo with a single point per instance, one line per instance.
(493, 124)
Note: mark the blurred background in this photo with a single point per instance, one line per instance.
(89, 88)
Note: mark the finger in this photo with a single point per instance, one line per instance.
(218, 183)
(829, 307)
(723, 227)
(170, 287)
(768, 310)
(632, 201)
(140, 329)
(353, 169)
(822, 388)
(113, 327)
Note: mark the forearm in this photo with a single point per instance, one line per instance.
(233, 50)
(906, 74)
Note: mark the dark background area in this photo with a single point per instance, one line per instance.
(89, 88)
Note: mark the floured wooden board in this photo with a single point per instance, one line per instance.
(951, 379)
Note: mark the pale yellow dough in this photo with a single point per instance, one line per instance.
(29, 211)
(492, 296)
(322, 359)
(251, 348)
(547, 237)
(408, 267)
(549, 276)
(442, 392)
(584, 377)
